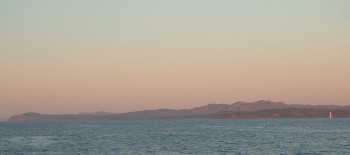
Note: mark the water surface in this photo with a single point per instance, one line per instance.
(268, 136)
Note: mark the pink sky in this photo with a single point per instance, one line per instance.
(123, 56)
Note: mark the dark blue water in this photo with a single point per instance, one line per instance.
(273, 136)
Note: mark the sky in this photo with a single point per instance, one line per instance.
(84, 56)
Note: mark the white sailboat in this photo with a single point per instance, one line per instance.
(330, 114)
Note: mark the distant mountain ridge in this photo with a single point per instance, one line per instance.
(197, 112)
(97, 113)
(275, 113)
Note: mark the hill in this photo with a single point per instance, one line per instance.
(258, 109)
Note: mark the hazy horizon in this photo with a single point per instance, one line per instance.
(81, 112)
(84, 56)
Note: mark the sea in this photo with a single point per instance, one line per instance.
(188, 136)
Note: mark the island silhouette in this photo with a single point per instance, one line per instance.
(262, 109)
